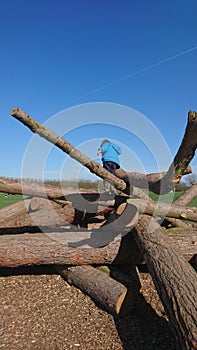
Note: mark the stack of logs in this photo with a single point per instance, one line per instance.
(82, 234)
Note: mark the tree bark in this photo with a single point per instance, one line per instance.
(108, 292)
(174, 279)
(20, 215)
(185, 239)
(58, 248)
(38, 249)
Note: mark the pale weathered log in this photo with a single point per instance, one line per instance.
(174, 279)
(164, 209)
(189, 194)
(113, 295)
(66, 147)
(37, 190)
(50, 214)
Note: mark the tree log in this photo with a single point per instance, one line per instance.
(164, 209)
(50, 214)
(174, 279)
(108, 292)
(176, 170)
(187, 196)
(39, 249)
(146, 181)
(58, 248)
(185, 239)
(66, 147)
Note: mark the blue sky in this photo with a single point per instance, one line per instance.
(59, 54)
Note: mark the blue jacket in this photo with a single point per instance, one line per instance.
(110, 152)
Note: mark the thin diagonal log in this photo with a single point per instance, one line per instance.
(66, 147)
(174, 279)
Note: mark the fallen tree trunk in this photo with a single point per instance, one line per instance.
(50, 214)
(164, 209)
(174, 279)
(37, 190)
(39, 249)
(108, 292)
(74, 248)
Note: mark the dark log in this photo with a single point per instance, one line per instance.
(175, 222)
(177, 169)
(146, 181)
(39, 249)
(106, 291)
(174, 279)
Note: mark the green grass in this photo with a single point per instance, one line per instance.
(171, 197)
(14, 198)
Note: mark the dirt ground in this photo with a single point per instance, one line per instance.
(39, 310)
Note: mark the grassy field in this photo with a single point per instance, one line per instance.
(170, 197)
(13, 198)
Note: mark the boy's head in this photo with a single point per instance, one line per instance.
(104, 141)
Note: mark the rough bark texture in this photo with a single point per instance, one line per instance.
(186, 240)
(39, 249)
(72, 248)
(174, 279)
(108, 292)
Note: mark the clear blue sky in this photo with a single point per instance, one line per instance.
(57, 54)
